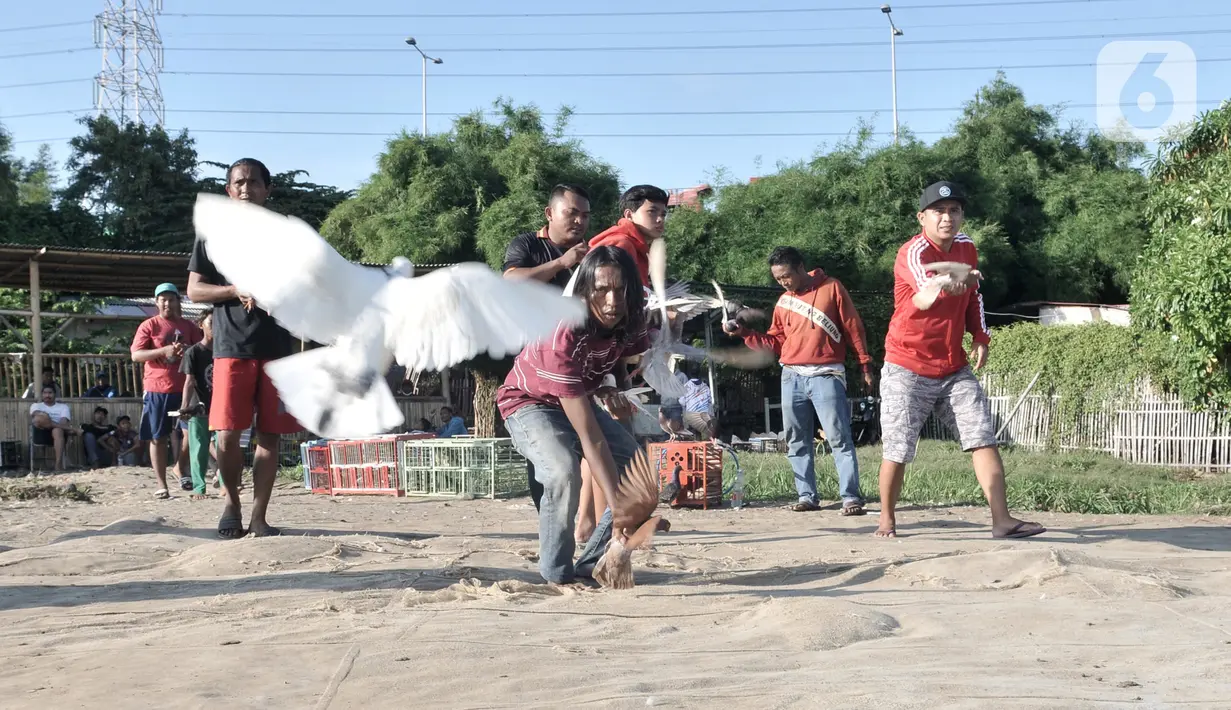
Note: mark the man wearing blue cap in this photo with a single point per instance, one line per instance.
(159, 344)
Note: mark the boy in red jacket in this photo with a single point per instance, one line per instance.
(926, 370)
(643, 210)
(813, 323)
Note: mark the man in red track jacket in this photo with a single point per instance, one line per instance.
(813, 324)
(926, 370)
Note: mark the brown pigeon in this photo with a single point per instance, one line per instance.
(944, 275)
(636, 499)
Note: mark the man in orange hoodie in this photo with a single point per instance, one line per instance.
(643, 210)
(812, 325)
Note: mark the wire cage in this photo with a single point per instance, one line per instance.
(700, 465)
(484, 468)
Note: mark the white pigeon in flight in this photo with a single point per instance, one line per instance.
(367, 317)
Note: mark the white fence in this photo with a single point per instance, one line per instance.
(1142, 427)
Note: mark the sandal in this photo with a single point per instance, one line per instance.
(269, 531)
(1022, 529)
(162, 494)
(854, 509)
(231, 527)
(804, 506)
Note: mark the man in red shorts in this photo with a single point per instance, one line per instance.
(926, 370)
(246, 338)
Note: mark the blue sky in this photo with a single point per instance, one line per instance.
(942, 40)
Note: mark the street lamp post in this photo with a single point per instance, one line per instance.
(894, 33)
(435, 60)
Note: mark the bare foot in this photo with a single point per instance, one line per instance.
(887, 527)
(1014, 528)
(198, 496)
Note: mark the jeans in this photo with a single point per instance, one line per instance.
(128, 459)
(546, 438)
(826, 396)
(97, 455)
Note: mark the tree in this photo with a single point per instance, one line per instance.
(138, 181)
(1059, 213)
(1183, 283)
(30, 211)
(306, 200)
(462, 196)
(36, 179)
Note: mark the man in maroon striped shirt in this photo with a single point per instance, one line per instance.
(548, 405)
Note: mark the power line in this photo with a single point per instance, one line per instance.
(45, 27)
(4, 117)
(47, 52)
(244, 131)
(609, 114)
(46, 83)
(767, 72)
(639, 13)
(642, 33)
(698, 48)
(390, 134)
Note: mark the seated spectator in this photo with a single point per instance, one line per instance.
(49, 380)
(102, 388)
(99, 437)
(698, 413)
(51, 424)
(423, 427)
(127, 442)
(453, 424)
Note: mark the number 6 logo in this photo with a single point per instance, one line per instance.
(1145, 90)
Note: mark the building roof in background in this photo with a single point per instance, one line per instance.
(688, 196)
(103, 272)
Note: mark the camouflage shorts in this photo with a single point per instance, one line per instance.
(908, 398)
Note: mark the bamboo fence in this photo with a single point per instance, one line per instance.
(1143, 426)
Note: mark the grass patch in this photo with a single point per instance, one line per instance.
(35, 491)
(290, 473)
(1078, 482)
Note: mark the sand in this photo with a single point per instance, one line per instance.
(380, 602)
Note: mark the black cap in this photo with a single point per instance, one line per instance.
(943, 190)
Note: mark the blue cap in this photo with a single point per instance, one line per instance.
(164, 287)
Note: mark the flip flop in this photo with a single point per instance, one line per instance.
(804, 506)
(1016, 532)
(186, 483)
(162, 494)
(891, 533)
(849, 510)
(231, 527)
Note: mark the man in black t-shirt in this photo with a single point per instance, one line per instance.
(246, 338)
(550, 254)
(99, 436)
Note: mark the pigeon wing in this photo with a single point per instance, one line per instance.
(451, 315)
(282, 263)
(637, 493)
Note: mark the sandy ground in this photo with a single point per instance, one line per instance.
(379, 602)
